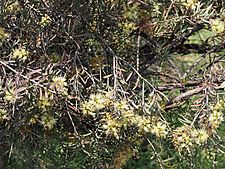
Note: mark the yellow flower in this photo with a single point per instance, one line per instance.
(44, 102)
(215, 119)
(159, 130)
(219, 106)
(61, 81)
(33, 120)
(45, 20)
(59, 84)
(144, 124)
(183, 139)
(122, 105)
(3, 115)
(190, 3)
(12, 6)
(87, 109)
(200, 135)
(10, 96)
(128, 114)
(217, 25)
(127, 26)
(48, 121)
(128, 118)
(98, 100)
(3, 34)
(111, 126)
(20, 53)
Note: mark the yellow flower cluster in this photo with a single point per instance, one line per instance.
(200, 136)
(160, 130)
(111, 126)
(185, 138)
(3, 35)
(189, 4)
(95, 103)
(34, 119)
(59, 84)
(130, 15)
(128, 118)
(44, 102)
(144, 124)
(124, 118)
(127, 27)
(11, 95)
(131, 12)
(45, 20)
(120, 115)
(151, 125)
(122, 105)
(217, 25)
(20, 53)
(12, 6)
(48, 121)
(182, 138)
(216, 117)
(3, 115)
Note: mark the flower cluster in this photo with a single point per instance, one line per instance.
(152, 125)
(124, 117)
(144, 124)
(122, 105)
(120, 116)
(182, 138)
(127, 27)
(59, 85)
(95, 103)
(3, 115)
(48, 121)
(189, 4)
(200, 136)
(45, 20)
(111, 126)
(12, 6)
(11, 95)
(160, 129)
(20, 53)
(186, 137)
(126, 112)
(216, 116)
(129, 118)
(217, 25)
(34, 119)
(44, 102)
(3, 35)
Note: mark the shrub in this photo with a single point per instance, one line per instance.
(112, 84)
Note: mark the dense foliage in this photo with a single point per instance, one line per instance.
(112, 84)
